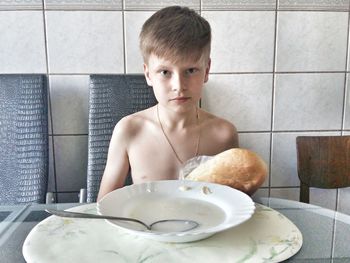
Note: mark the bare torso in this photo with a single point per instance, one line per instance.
(138, 143)
(151, 156)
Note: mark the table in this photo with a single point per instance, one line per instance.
(326, 233)
(15, 224)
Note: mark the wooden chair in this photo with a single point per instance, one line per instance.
(323, 162)
(111, 98)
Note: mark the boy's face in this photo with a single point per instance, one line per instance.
(177, 85)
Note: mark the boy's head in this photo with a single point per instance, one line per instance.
(175, 33)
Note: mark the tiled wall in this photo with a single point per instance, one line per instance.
(279, 70)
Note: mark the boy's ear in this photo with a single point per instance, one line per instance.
(146, 72)
(207, 69)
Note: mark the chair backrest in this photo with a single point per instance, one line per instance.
(23, 139)
(323, 162)
(111, 98)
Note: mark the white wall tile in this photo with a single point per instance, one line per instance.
(49, 120)
(243, 41)
(313, 5)
(245, 100)
(21, 5)
(260, 144)
(311, 41)
(51, 183)
(22, 45)
(70, 104)
(347, 105)
(133, 25)
(83, 5)
(284, 158)
(341, 238)
(238, 5)
(85, 42)
(308, 101)
(344, 197)
(285, 193)
(326, 198)
(262, 192)
(158, 4)
(71, 162)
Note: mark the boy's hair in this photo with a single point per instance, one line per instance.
(175, 33)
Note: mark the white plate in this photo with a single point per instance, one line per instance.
(215, 207)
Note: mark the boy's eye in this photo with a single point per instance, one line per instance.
(165, 72)
(191, 70)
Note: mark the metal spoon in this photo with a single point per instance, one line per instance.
(190, 224)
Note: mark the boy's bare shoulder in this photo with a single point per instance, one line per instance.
(219, 128)
(217, 122)
(133, 123)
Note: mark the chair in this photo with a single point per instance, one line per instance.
(323, 162)
(111, 98)
(23, 139)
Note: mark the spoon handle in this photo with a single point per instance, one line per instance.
(92, 216)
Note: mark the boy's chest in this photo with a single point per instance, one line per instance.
(153, 163)
(158, 159)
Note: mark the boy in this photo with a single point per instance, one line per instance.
(154, 143)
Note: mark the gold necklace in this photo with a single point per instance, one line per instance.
(169, 142)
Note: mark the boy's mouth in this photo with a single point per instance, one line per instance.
(181, 99)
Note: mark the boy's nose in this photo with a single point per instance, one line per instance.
(178, 84)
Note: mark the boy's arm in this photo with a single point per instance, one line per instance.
(117, 165)
(251, 186)
(231, 136)
(235, 140)
(248, 186)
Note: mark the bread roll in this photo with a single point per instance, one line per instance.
(239, 168)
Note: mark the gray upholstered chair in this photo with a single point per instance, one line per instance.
(23, 139)
(111, 98)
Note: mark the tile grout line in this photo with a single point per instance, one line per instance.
(145, 8)
(52, 140)
(49, 98)
(273, 101)
(342, 133)
(200, 13)
(69, 134)
(154, 9)
(125, 66)
(242, 132)
(45, 38)
(293, 131)
(214, 73)
(124, 37)
(346, 80)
